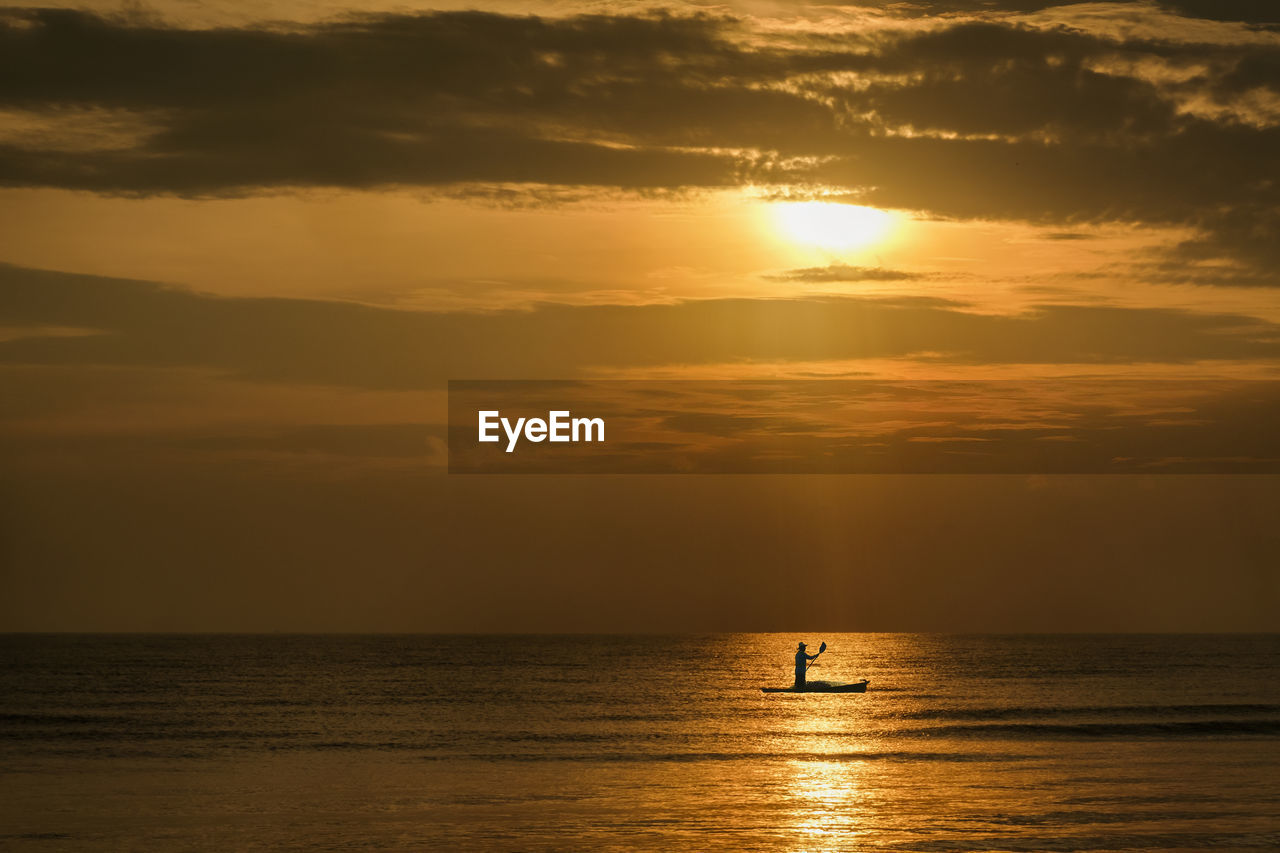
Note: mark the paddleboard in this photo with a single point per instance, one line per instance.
(822, 687)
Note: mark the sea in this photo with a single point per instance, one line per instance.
(638, 743)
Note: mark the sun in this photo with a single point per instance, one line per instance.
(830, 225)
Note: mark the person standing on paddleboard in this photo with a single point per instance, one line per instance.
(802, 663)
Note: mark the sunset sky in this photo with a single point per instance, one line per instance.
(243, 247)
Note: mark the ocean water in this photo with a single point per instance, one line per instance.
(531, 743)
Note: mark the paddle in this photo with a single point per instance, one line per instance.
(822, 648)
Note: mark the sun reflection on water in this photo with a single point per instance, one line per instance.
(829, 801)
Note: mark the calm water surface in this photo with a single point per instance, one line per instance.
(1036, 743)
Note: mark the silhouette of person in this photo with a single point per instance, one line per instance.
(802, 663)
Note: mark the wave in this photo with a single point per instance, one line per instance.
(1145, 729)
(1018, 712)
(689, 757)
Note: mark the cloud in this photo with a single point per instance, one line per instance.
(431, 99)
(1008, 81)
(970, 117)
(1251, 11)
(1243, 233)
(142, 324)
(1199, 265)
(846, 272)
(1066, 235)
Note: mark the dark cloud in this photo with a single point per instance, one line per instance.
(1170, 181)
(1255, 70)
(1017, 97)
(982, 119)
(345, 344)
(433, 99)
(1247, 234)
(846, 272)
(1066, 235)
(1193, 267)
(949, 7)
(1248, 11)
(292, 153)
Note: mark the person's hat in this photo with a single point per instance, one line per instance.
(802, 645)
